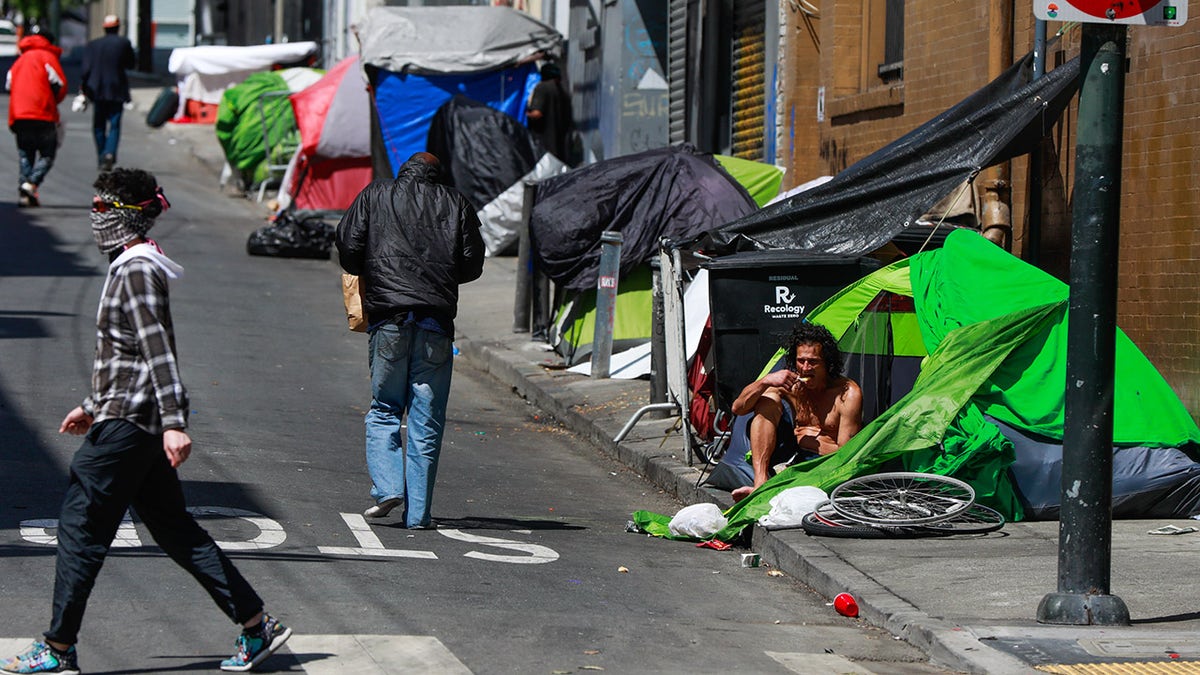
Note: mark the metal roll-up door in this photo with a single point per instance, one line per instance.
(677, 23)
(748, 95)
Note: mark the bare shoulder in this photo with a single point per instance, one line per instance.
(846, 388)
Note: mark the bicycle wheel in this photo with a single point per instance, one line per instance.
(825, 522)
(901, 498)
(975, 519)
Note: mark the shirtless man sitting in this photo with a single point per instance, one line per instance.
(825, 409)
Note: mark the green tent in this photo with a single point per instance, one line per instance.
(761, 180)
(991, 333)
(255, 119)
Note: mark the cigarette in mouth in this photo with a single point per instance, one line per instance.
(805, 379)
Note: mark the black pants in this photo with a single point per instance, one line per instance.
(119, 466)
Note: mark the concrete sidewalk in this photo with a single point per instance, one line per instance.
(970, 602)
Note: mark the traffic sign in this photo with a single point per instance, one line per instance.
(1137, 12)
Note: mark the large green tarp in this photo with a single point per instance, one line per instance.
(761, 180)
(253, 116)
(995, 329)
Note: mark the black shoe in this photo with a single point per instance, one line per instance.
(107, 162)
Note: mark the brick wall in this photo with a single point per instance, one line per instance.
(945, 59)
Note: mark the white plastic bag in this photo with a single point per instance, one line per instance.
(789, 507)
(698, 520)
(79, 103)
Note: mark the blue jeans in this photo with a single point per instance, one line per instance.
(37, 144)
(410, 373)
(106, 126)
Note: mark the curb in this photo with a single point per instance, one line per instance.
(946, 644)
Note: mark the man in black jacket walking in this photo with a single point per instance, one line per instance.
(106, 85)
(411, 241)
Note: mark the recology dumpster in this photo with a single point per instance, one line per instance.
(757, 297)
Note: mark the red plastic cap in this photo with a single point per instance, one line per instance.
(845, 605)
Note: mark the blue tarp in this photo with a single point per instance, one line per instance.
(406, 103)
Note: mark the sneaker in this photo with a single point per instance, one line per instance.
(254, 649)
(383, 508)
(42, 658)
(107, 162)
(30, 192)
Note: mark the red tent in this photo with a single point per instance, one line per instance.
(333, 162)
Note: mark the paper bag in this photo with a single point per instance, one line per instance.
(352, 296)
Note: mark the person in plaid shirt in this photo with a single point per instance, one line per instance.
(134, 422)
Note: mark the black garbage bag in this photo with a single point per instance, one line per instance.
(297, 234)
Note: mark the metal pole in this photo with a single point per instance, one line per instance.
(145, 36)
(524, 286)
(658, 338)
(606, 302)
(1034, 227)
(1085, 517)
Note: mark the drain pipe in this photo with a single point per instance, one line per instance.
(996, 212)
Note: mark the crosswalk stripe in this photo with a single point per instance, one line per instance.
(374, 655)
(818, 664)
(337, 654)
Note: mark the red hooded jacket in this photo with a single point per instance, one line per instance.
(29, 81)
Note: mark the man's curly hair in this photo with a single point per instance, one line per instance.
(131, 186)
(806, 333)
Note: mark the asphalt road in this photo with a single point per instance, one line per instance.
(524, 574)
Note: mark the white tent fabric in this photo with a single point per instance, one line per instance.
(500, 218)
(454, 39)
(204, 73)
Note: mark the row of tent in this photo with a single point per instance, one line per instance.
(418, 86)
(452, 80)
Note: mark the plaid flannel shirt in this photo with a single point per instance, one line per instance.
(135, 376)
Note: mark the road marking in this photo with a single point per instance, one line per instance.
(818, 664)
(538, 554)
(270, 532)
(337, 654)
(368, 543)
(374, 655)
(38, 532)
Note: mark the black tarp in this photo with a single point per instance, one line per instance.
(673, 192)
(871, 202)
(483, 150)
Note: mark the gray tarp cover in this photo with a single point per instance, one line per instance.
(456, 39)
(871, 202)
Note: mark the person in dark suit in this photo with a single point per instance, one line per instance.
(106, 85)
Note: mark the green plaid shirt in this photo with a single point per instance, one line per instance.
(135, 376)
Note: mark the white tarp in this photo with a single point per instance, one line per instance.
(500, 219)
(204, 73)
(454, 39)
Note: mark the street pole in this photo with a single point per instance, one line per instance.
(1085, 517)
(145, 36)
(606, 303)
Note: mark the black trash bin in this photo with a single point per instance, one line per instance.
(757, 297)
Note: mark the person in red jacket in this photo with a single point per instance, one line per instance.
(37, 85)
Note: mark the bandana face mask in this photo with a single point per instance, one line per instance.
(115, 223)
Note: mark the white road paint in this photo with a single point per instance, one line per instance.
(38, 532)
(818, 664)
(270, 532)
(538, 554)
(374, 655)
(369, 544)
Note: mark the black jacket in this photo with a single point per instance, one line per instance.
(105, 61)
(411, 241)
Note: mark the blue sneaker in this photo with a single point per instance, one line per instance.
(42, 658)
(253, 649)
